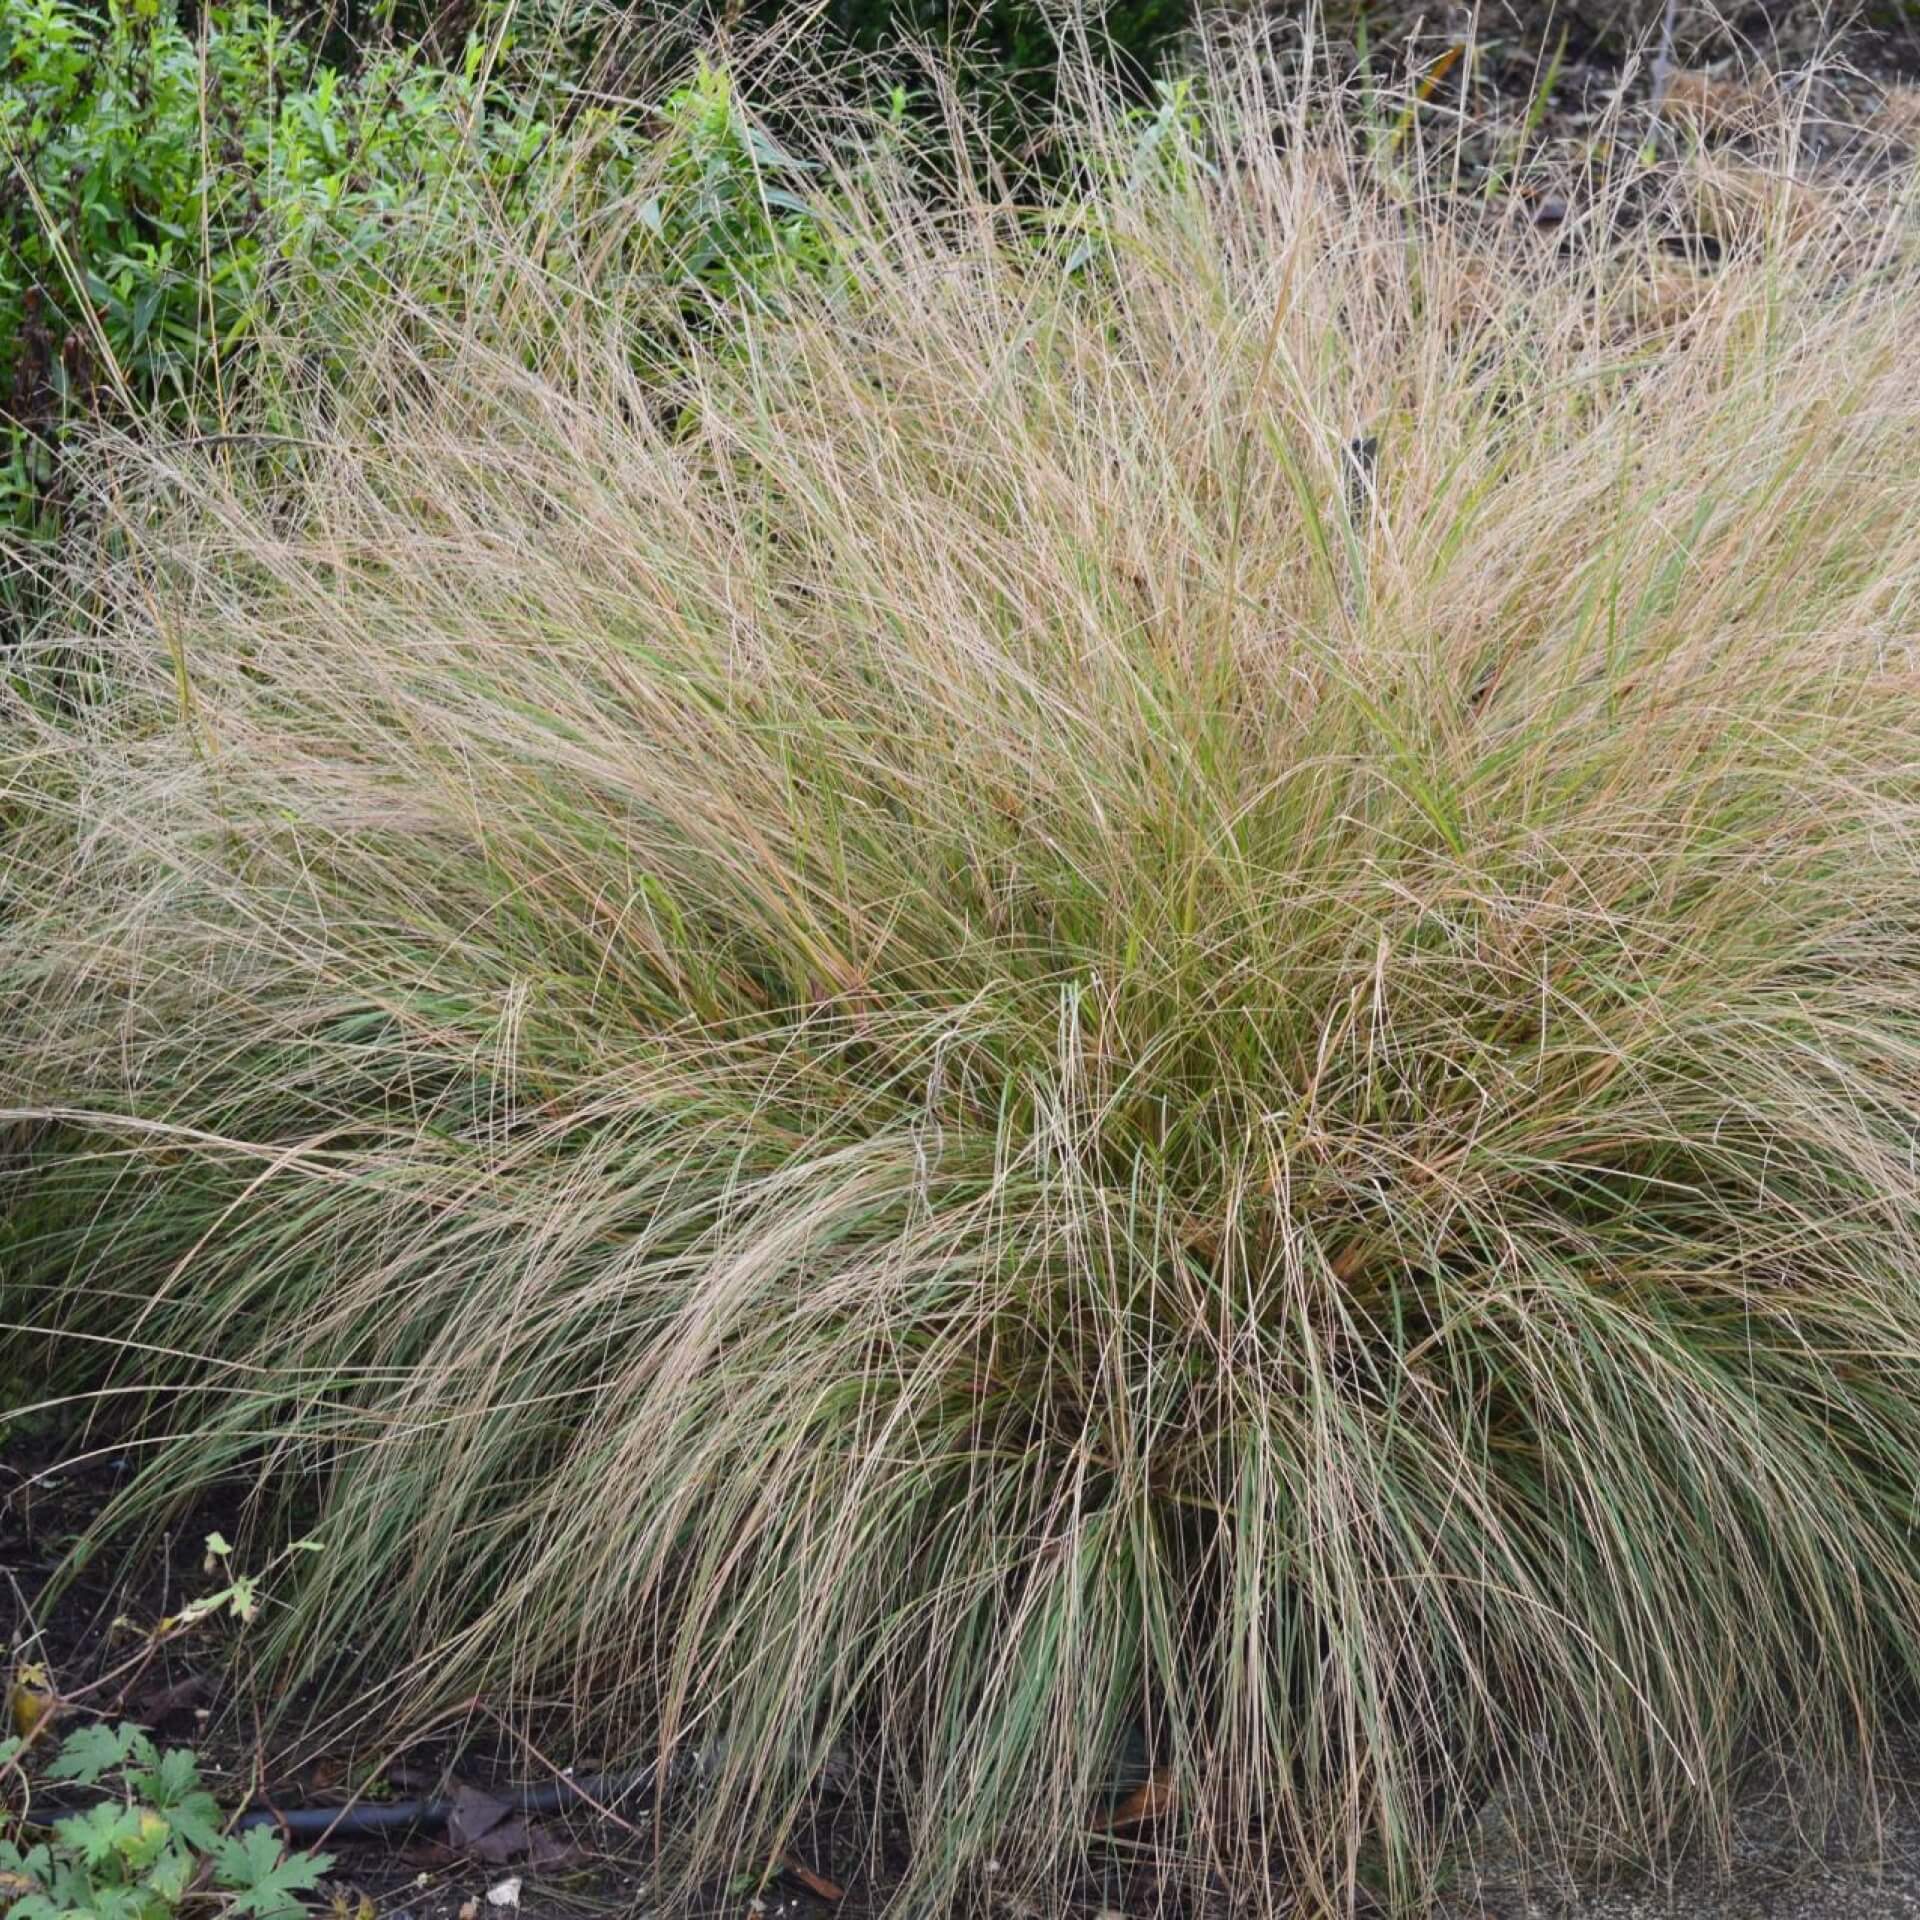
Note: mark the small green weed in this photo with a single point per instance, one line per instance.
(151, 1847)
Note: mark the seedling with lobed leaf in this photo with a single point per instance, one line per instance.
(150, 1848)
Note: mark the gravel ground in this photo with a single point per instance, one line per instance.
(1864, 1866)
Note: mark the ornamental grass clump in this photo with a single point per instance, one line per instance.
(1129, 991)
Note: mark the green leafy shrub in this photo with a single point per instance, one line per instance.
(166, 192)
(150, 1848)
(726, 203)
(172, 195)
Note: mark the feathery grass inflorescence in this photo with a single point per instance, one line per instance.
(1137, 984)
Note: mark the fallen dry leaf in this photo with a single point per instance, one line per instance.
(30, 1698)
(1154, 1796)
(473, 1816)
(814, 1882)
(494, 1831)
(549, 1852)
(1718, 103)
(511, 1838)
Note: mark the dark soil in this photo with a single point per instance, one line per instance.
(98, 1631)
(1565, 64)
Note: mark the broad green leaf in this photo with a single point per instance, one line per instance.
(88, 1752)
(101, 1833)
(169, 1876)
(148, 1839)
(264, 1882)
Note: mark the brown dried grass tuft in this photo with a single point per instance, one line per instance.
(906, 1019)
